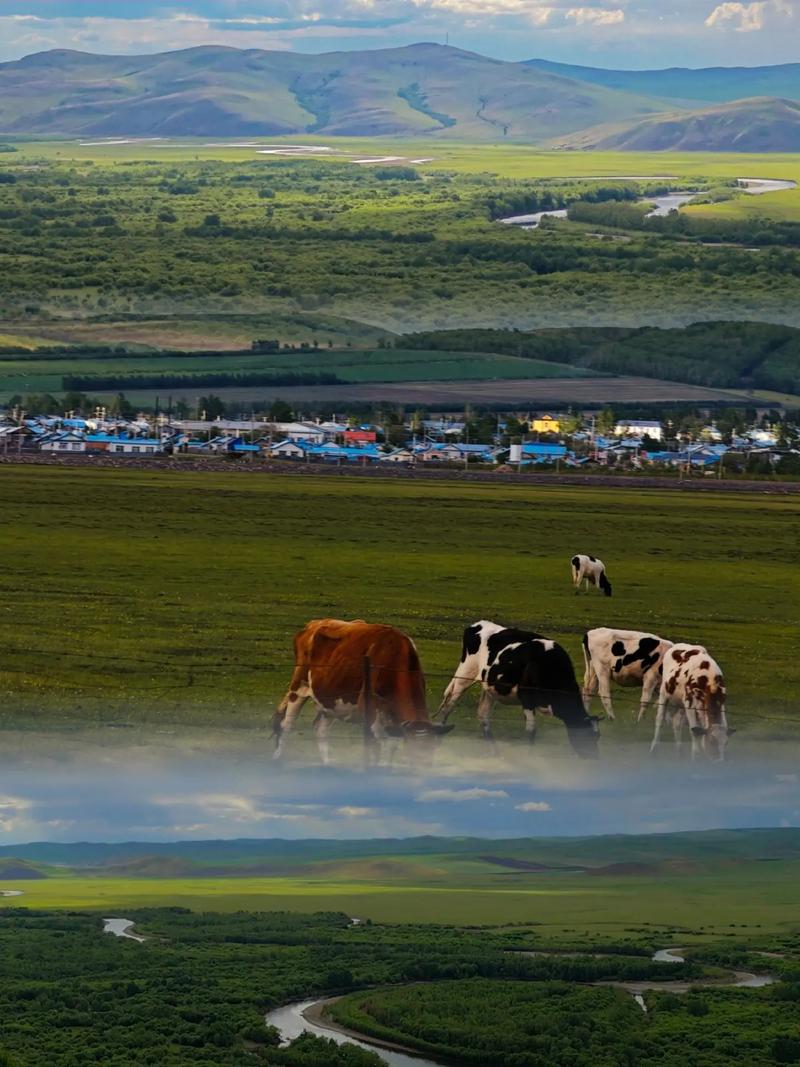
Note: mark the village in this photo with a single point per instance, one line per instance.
(767, 442)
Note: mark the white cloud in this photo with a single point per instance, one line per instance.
(12, 812)
(351, 812)
(749, 17)
(435, 796)
(595, 16)
(229, 806)
(533, 805)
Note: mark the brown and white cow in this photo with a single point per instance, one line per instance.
(628, 657)
(589, 570)
(356, 670)
(693, 689)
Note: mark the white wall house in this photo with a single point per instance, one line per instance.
(639, 428)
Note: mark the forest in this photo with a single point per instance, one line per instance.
(135, 241)
(722, 354)
(196, 991)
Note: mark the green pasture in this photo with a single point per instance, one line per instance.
(160, 596)
(730, 901)
(506, 160)
(38, 374)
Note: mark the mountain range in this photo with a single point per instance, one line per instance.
(423, 90)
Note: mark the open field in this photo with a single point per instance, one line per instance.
(156, 596)
(532, 390)
(745, 898)
(37, 373)
(505, 160)
(627, 884)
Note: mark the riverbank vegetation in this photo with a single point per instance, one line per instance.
(197, 990)
(528, 1025)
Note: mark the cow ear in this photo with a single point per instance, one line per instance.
(699, 731)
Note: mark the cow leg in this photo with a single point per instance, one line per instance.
(322, 726)
(289, 708)
(455, 690)
(649, 687)
(530, 724)
(677, 730)
(604, 683)
(590, 684)
(696, 729)
(485, 706)
(660, 713)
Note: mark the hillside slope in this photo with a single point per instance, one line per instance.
(214, 91)
(762, 124)
(707, 85)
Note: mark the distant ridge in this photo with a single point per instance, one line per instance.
(213, 91)
(705, 85)
(759, 125)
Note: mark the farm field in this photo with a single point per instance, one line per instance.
(497, 391)
(38, 374)
(173, 597)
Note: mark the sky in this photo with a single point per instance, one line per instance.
(185, 785)
(611, 33)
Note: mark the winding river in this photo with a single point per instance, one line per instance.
(307, 1016)
(662, 205)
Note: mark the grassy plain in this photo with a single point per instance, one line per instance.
(729, 902)
(159, 596)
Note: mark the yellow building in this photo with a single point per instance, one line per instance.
(545, 424)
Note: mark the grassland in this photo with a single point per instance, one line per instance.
(561, 909)
(160, 596)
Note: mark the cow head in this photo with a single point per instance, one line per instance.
(605, 585)
(422, 729)
(584, 737)
(712, 731)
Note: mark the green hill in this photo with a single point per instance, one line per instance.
(762, 124)
(707, 85)
(423, 89)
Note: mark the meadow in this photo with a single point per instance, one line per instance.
(567, 910)
(149, 596)
(174, 246)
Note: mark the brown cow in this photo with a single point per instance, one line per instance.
(331, 658)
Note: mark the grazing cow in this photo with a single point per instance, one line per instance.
(331, 659)
(627, 657)
(590, 570)
(692, 688)
(518, 666)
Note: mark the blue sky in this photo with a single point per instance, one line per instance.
(618, 33)
(184, 784)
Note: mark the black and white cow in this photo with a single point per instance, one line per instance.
(517, 666)
(628, 657)
(693, 691)
(590, 570)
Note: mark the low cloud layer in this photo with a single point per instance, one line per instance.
(626, 33)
